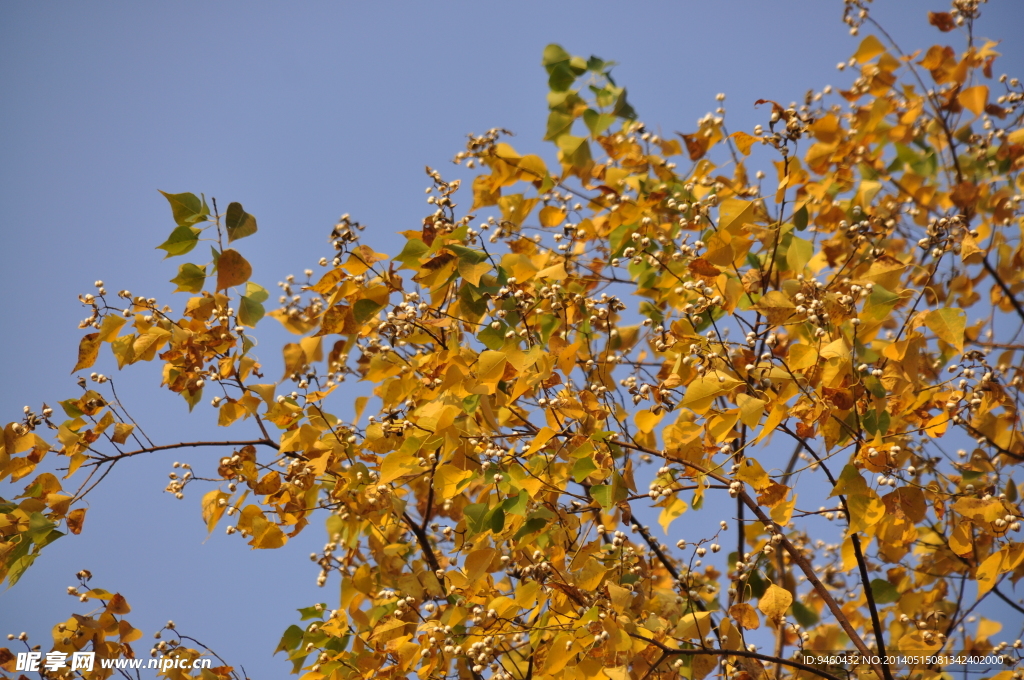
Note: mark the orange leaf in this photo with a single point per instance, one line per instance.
(75, 519)
(232, 269)
(942, 21)
(974, 99)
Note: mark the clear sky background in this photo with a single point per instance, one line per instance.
(300, 111)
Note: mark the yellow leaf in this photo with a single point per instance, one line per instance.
(313, 348)
(550, 216)
(478, 563)
(752, 473)
(88, 348)
(948, 323)
(472, 272)
(701, 393)
(541, 438)
(836, 349)
(751, 409)
(866, 509)
(111, 324)
(294, 358)
(676, 507)
(743, 142)
(978, 510)
(617, 673)
(988, 572)
(360, 405)
(733, 213)
(121, 432)
(960, 539)
(647, 420)
(775, 602)
(389, 630)
(974, 99)
(559, 652)
(490, 367)
(776, 307)
(870, 47)
(533, 166)
(621, 598)
(936, 425)
(266, 392)
(555, 272)
(398, 464)
(447, 480)
(744, 616)
(230, 411)
(213, 509)
(265, 534)
(778, 413)
(987, 628)
(783, 512)
(695, 625)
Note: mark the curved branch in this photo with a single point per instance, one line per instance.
(183, 445)
(736, 652)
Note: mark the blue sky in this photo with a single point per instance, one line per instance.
(300, 111)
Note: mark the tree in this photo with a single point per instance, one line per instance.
(597, 343)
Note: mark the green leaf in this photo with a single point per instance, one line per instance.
(493, 338)
(476, 514)
(622, 108)
(18, 567)
(312, 613)
(250, 308)
(411, 253)
(290, 640)
(597, 122)
(582, 469)
(497, 522)
(575, 150)
(883, 591)
(516, 505)
(468, 254)
(238, 222)
(558, 124)
(800, 219)
(70, 407)
(803, 614)
(364, 309)
(532, 526)
(879, 304)
(553, 54)
(187, 208)
(190, 278)
(192, 397)
(181, 241)
(256, 292)
(249, 311)
(39, 526)
(602, 493)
